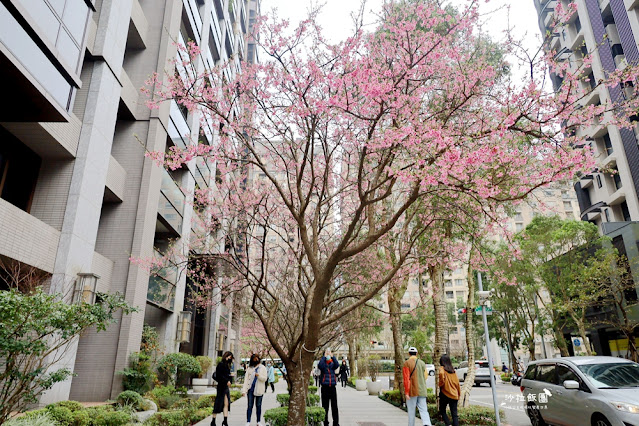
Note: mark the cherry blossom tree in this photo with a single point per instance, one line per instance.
(323, 149)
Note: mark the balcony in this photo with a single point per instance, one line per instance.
(171, 204)
(162, 284)
(179, 130)
(194, 17)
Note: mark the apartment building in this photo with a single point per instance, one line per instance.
(78, 196)
(608, 30)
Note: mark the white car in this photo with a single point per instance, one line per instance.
(482, 372)
(431, 369)
(580, 390)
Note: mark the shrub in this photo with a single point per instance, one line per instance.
(139, 375)
(175, 363)
(205, 401)
(111, 418)
(312, 389)
(36, 325)
(431, 398)
(160, 391)
(71, 405)
(169, 418)
(312, 400)
(505, 377)
(278, 416)
(472, 415)
(60, 415)
(32, 418)
(235, 395)
(205, 362)
(81, 418)
(283, 399)
(131, 398)
(392, 396)
(170, 401)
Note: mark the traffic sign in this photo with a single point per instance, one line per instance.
(489, 310)
(576, 342)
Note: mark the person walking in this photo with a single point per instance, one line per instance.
(327, 366)
(270, 376)
(317, 373)
(222, 376)
(344, 372)
(254, 388)
(449, 390)
(415, 373)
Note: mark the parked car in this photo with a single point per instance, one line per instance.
(431, 369)
(597, 390)
(482, 372)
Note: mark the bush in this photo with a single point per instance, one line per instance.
(312, 400)
(235, 395)
(175, 363)
(139, 375)
(505, 377)
(109, 418)
(312, 389)
(278, 416)
(282, 399)
(205, 401)
(160, 391)
(169, 418)
(71, 405)
(205, 362)
(131, 398)
(472, 415)
(81, 418)
(392, 396)
(32, 418)
(60, 415)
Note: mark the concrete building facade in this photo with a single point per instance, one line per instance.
(78, 195)
(607, 31)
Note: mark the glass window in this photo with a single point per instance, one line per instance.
(448, 283)
(45, 19)
(598, 181)
(68, 50)
(450, 295)
(567, 206)
(519, 227)
(564, 373)
(612, 376)
(75, 18)
(546, 373)
(531, 372)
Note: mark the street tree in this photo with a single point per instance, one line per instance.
(312, 142)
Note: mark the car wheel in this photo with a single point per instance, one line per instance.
(534, 415)
(600, 420)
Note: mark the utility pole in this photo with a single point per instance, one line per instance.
(482, 301)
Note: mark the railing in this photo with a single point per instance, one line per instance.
(179, 129)
(162, 285)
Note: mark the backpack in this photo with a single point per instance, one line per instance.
(215, 376)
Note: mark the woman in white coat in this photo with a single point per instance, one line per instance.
(254, 387)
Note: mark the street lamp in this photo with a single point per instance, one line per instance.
(483, 297)
(184, 327)
(84, 290)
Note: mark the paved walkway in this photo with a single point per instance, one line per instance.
(355, 409)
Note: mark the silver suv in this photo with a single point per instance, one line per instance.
(482, 372)
(597, 391)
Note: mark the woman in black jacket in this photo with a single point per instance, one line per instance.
(222, 376)
(344, 372)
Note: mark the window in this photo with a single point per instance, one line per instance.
(598, 181)
(567, 206)
(564, 373)
(624, 211)
(616, 178)
(405, 305)
(519, 227)
(450, 295)
(459, 283)
(607, 143)
(460, 294)
(448, 283)
(607, 213)
(546, 373)
(518, 216)
(531, 372)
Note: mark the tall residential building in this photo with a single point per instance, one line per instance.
(608, 30)
(78, 196)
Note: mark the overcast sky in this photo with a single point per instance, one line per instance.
(335, 18)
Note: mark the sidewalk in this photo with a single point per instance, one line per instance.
(355, 409)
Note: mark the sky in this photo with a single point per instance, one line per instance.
(520, 15)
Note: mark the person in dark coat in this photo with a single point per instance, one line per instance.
(327, 365)
(344, 372)
(223, 378)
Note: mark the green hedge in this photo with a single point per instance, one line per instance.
(312, 399)
(505, 377)
(312, 389)
(278, 416)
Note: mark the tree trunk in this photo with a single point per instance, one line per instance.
(395, 295)
(470, 342)
(582, 333)
(560, 342)
(441, 319)
(351, 357)
(298, 376)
